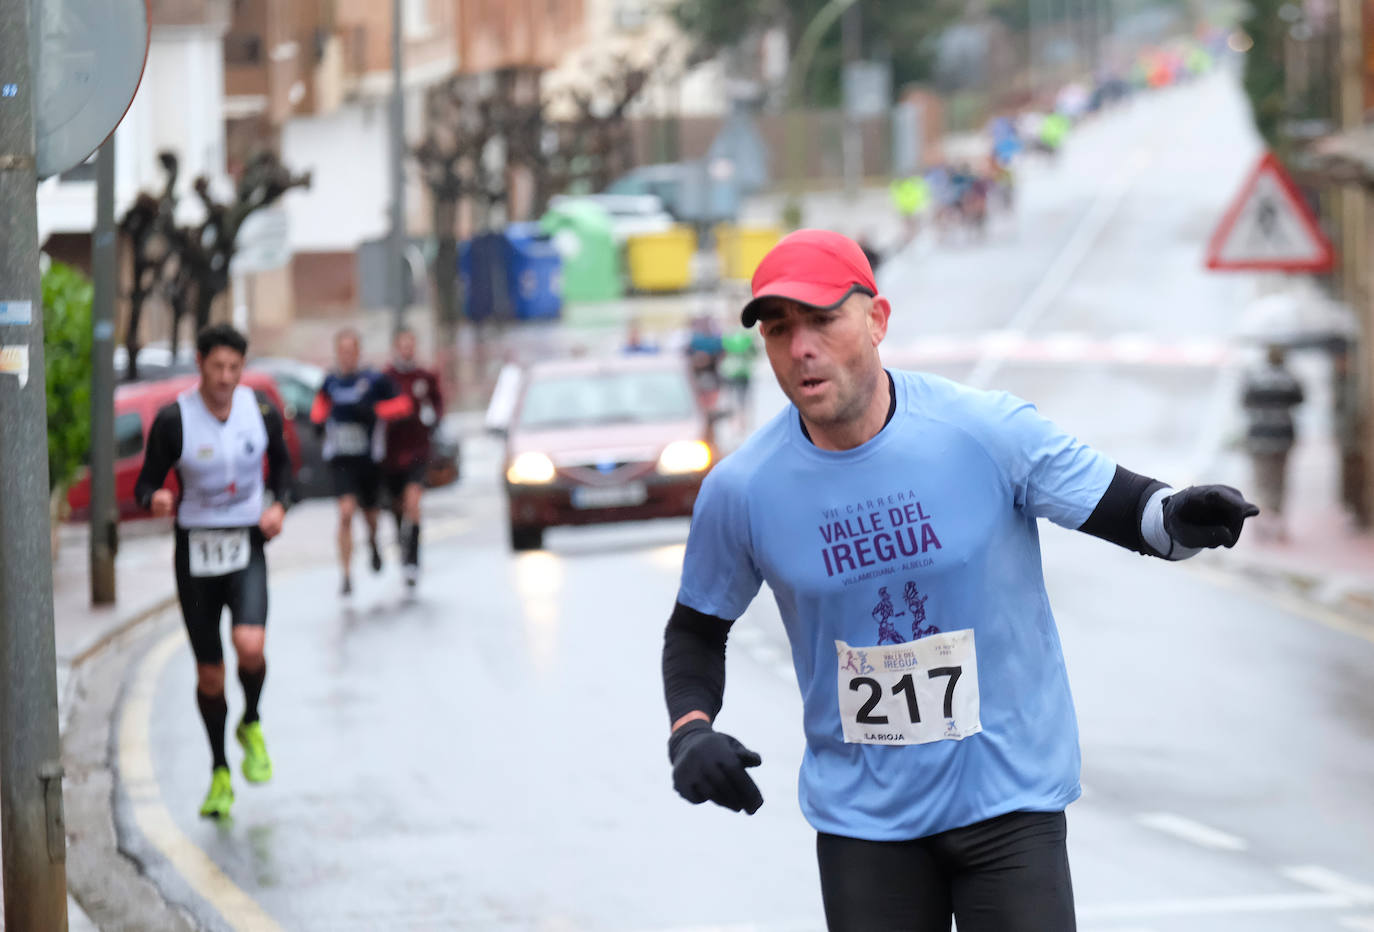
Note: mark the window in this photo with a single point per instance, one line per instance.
(128, 435)
(299, 397)
(416, 23)
(608, 398)
(242, 50)
(630, 15)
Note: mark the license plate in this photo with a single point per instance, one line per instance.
(610, 496)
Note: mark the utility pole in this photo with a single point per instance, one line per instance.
(1354, 227)
(796, 83)
(397, 258)
(32, 833)
(104, 520)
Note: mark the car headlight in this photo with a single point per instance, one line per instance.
(530, 469)
(683, 456)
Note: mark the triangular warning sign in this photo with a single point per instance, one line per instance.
(1269, 227)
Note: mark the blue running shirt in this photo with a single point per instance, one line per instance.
(909, 570)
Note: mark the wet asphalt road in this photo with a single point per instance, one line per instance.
(491, 754)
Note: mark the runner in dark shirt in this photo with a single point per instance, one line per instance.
(407, 447)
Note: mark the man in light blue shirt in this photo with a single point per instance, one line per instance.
(894, 517)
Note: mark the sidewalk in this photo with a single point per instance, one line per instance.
(1324, 559)
(145, 588)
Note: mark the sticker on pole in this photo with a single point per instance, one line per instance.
(16, 313)
(14, 360)
(1269, 227)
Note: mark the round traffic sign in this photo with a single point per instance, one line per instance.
(90, 61)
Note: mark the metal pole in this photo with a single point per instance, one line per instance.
(396, 260)
(31, 823)
(796, 83)
(104, 520)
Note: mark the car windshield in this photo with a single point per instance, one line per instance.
(299, 385)
(606, 398)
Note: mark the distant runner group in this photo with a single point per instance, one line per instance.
(233, 470)
(377, 428)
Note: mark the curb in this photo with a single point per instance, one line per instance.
(124, 627)
(1352, 600)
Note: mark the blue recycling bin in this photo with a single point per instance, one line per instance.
(516, 272)
(482, 268)
(534, 271)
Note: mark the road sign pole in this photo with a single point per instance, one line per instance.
(397, 245)
(103, 520)
(31, 825)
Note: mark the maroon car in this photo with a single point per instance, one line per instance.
(600, 440)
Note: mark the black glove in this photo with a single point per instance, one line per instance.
(1207, 515)
(710, 765)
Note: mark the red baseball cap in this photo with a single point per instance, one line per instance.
(818, 268)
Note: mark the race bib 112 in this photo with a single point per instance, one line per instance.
(217, 553)
(915, 693)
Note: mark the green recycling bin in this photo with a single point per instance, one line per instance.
(581, 232)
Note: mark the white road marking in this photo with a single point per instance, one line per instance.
(1069, 348)
(1286, 601)
(1191, 831)
(155, 823)
(446, 528)
(1328, 881)
(1358, 923)
(1080, 243)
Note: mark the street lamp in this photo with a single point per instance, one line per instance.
(397, 245)
(810, 41)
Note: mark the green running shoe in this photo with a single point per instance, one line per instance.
(257, 766)
(220, 797)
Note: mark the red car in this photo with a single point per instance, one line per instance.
(135, 405)
(597, 440)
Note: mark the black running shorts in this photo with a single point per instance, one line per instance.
(358, 476)
(204, 598)
(396, 480)
(1006, 874)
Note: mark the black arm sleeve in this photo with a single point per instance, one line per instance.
(1117, 515)
(160, 455)
(278, 458)
(694, 662)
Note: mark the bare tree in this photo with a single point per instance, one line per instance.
(189, 266)
(150, 228)
(207, 250)
(459, 163)
(594, 145)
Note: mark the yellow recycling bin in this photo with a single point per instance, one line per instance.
(661, 261)
(741, 249)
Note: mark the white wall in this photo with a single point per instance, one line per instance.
(348, 157)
